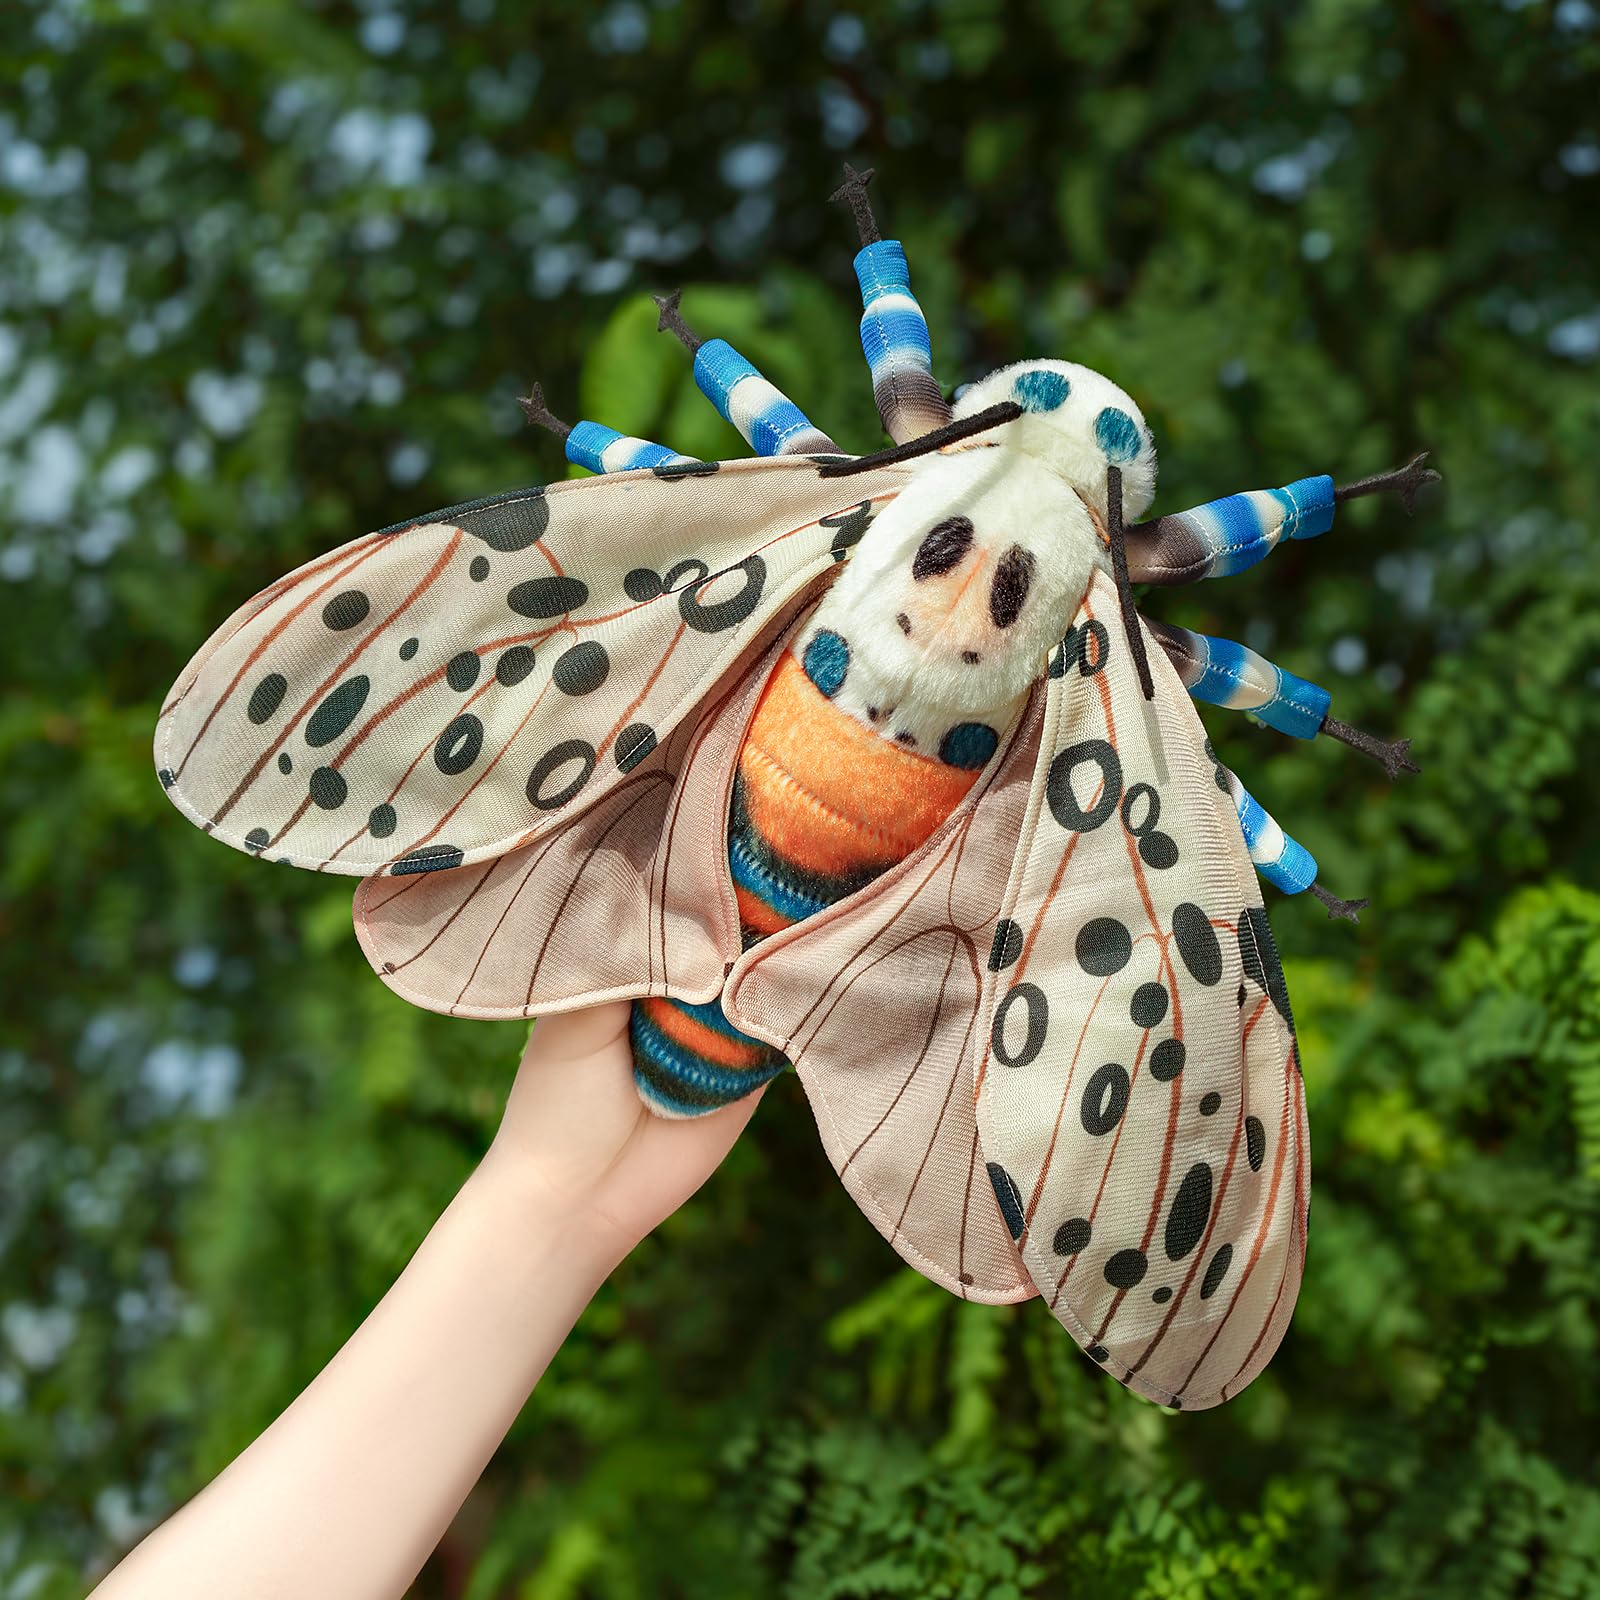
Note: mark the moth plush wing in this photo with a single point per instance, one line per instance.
(1140, 1102)
(628, 896)
(878, 1001)
(444, 691)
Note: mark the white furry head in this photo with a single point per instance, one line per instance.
(957, 592)
(1078, 423)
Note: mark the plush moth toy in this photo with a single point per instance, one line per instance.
(863, 763)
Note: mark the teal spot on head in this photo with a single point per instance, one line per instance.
(1039, 389)
(1117, 434)
(827, 660)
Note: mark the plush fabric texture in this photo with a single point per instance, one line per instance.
(948, 610)
(821, 806)
(1077, 423)
(1229, 535)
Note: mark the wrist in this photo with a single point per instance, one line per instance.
(539, 1220)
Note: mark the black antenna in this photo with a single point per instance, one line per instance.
(994, 416)
(1119, 567)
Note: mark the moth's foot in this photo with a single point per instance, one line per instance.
(1404, 481)
(671, 321)
(1396, 758)
(1394, 755)
(1347, 910)
(853, 191)
(539, 415)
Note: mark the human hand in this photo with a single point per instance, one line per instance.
(347, 1492)
(577, 1135)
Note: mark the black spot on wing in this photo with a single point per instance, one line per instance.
(1010, 1050)
(1105, 1098)
(1126, 1269)
(328, 788)
(684, 574)
(461, 672)
(266, 697)
(337, 711)
(1007, 945)
(1104, 946)
(1191, 1210)
(1216, 1272)
(459, 745)
(1072, 1236)
(541, 598)
(1149, 1005)
(514, 523)
(345, 610)
(560, 773)
(582, 669)
(1081, 808)
(1197, 943)
(1009, 1198)
(848, 526)
(428, 858)
(717, 616)
(1255, 1142)
(634, 743)
(514, 666)
(1259, 952)
(1167, 1060)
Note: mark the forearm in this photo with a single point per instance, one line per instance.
(350, 1489)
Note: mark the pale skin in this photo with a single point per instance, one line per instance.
(348, 1492)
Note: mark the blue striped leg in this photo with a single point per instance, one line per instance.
(894, 332)
(1223, 673)
(772, 424)
(1284, 862)
(1226, 536)
(597, 447)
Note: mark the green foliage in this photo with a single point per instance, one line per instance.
(272, 274)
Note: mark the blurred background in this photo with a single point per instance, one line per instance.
(272, 274)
